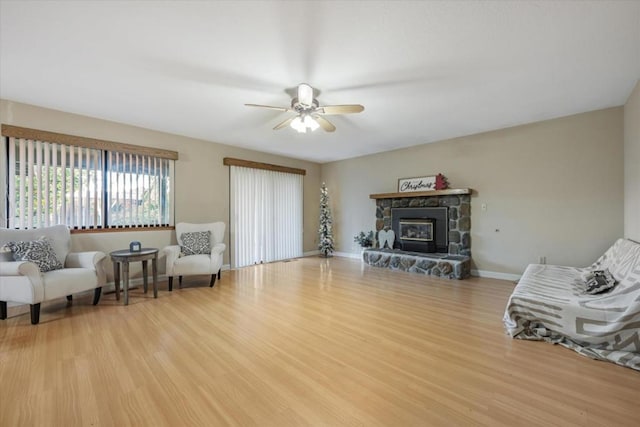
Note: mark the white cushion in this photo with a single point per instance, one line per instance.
(193, 264)
(68, 281)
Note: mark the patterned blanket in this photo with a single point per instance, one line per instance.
(550, 303)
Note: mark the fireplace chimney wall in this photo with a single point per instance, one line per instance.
(459, 212)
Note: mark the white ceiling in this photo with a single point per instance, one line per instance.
(425, 71)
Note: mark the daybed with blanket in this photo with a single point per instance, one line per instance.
(551, 303)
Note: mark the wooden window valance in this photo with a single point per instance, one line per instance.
(81, 141)
(230, 161)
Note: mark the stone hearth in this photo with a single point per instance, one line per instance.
(440, 265)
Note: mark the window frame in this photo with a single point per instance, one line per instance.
(106, 147)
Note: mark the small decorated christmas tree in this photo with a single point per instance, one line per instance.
(325, 232)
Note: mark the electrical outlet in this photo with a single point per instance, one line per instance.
(542, 260)
(483, 206)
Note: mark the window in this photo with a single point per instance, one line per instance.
(86, 186)
(138, 189)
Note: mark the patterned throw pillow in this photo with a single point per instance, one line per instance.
(195, 243)
(39, 252)
(599, 281)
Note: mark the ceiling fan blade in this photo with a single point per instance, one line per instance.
(340, 109)
(325, 124)
(269, 107)
(284, 124)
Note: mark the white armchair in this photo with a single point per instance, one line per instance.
(179, 264)
(23, 282)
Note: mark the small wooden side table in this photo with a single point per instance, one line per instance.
(124, 257)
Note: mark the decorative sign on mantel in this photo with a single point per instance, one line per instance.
(422, 183)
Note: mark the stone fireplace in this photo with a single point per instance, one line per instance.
(432, 232)
(455, 223)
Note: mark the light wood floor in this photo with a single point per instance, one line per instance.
(307, 342)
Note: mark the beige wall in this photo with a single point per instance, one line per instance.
(202, 181)
(632, 165)
(552, 188)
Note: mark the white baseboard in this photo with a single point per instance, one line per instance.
(225, 267)
(348, 255)
(340, 254)
(495, 275)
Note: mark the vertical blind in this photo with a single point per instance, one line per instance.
(138, 189)
(266, 215)
(54, 184)
(51, 183)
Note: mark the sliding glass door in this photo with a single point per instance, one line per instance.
(266, 215)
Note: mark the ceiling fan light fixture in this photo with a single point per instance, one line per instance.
(303, 122)
(311, 123)
(298, 124)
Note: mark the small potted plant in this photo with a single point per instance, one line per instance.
(365, 240)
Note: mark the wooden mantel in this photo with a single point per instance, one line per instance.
(447, 192)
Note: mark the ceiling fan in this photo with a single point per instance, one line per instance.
(309, 113)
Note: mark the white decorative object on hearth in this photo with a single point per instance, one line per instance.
(386, 238)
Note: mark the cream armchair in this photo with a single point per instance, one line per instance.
(23, 282)
(179, 264)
